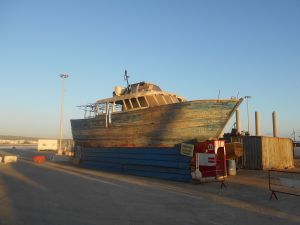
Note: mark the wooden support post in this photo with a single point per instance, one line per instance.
(96, 110)
(106, 114)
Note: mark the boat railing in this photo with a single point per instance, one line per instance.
(130, 103)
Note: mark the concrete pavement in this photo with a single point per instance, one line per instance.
(59, 193)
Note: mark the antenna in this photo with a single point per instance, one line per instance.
(126, 78)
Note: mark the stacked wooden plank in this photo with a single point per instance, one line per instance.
(163, 163)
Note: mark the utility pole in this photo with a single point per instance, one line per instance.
(247, 98)
(63, 77)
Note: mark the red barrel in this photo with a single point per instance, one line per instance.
(39, 158)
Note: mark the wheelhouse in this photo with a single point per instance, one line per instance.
(134, 97)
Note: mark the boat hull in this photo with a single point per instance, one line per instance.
(161, 126)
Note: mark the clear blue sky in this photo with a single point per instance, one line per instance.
(192, 48)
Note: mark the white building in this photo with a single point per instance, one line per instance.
(47, 144)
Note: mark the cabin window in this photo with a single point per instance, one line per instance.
(160, 99)
(101, 108)
(135, 103)
(164, 99)
(118, 106)
(142, 101)
(175, 100)
(168, 99)
(128, 104)
(151, 100)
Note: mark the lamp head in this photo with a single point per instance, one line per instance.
(64, 75)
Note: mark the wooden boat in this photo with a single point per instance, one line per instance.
(142, 115)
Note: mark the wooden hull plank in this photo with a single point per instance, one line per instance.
(165, 125)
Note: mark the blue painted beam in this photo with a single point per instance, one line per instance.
(163, 163)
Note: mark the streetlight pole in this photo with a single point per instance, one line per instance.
(63, 77)
(247, 97)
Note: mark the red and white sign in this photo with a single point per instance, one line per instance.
(211, 158)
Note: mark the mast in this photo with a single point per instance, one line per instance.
(126, 77)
